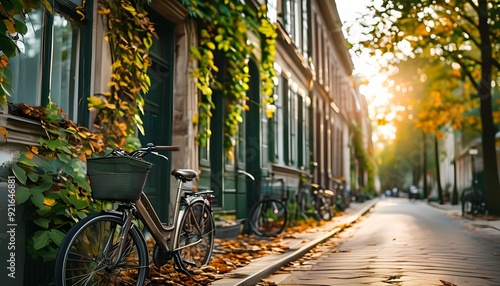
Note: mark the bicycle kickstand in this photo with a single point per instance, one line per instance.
(181, 267)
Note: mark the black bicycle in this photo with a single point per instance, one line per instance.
(473, 202)
(323, 201)
(269, 215)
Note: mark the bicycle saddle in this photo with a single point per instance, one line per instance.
(185, 175)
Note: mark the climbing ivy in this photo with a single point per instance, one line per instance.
(53, 187)
(130, 34)
(225, 29)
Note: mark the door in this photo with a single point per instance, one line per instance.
(158, 114)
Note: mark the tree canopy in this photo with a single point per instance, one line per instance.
(462, 35)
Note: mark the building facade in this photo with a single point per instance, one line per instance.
(65, 59)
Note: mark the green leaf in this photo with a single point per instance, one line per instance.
(57, 236)
(21, 27)
(9, 48)
(77, 202)
(81, 215)
(37, 199)
(40, 239)
(22, 195)
(45, 185)
(33, 176)
(54, 144)
(43, 210)
(42, 222)
(19, 173)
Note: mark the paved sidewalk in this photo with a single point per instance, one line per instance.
(299, 246)
(484, 222)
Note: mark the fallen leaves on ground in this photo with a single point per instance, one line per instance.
(228, 255)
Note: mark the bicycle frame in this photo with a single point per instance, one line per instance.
(158, 230)
(166, 236)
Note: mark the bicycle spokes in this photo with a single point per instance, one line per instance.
(99, 256)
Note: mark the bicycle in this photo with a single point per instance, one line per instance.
(108, 248)
(473, 201)
(304, 206)
(269, 216)
(322, 200)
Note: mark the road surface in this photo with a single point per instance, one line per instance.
(403, 243)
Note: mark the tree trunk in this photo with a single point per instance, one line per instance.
(490, 167)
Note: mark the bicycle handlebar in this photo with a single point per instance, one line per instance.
(164, 148)
(149, 149)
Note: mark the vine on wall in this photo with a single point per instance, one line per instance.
(226, 26)
(52, 176)
(130, 34)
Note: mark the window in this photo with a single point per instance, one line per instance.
(290, 13)
(278, 121)
(303, 124)
(55, 39)
(272, 10)
(293, 118)
(305, 30)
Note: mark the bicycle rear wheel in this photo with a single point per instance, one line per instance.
(323, 207)
(268, 218)
(90, 247)
(196, 239)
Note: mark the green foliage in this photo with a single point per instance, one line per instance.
(54, 190)
(364, 157)
(225, 30)
(130, 34)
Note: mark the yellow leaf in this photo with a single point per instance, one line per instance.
(109, 105)
(47, 5)
(211, 45)
(82, 15)
(34, 149)
(4, 132)
(29, 155)
(49, 202)
(95, 101)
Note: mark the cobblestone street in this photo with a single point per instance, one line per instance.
(404, 243)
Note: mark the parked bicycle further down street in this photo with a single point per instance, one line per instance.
(269, 216)
(473, 202)
(108, 248)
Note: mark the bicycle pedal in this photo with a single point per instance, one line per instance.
(160, 256)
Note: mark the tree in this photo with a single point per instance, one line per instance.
(460, 33)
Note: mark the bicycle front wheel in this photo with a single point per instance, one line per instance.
(268, 218)
(90, 248)
(196, 238)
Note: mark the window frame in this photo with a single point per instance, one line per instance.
(80, 55)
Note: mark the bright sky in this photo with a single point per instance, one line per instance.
(366, 67)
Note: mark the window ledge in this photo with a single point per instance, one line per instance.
(170, 10)
(20, 130)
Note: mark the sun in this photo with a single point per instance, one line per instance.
(380, 109)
